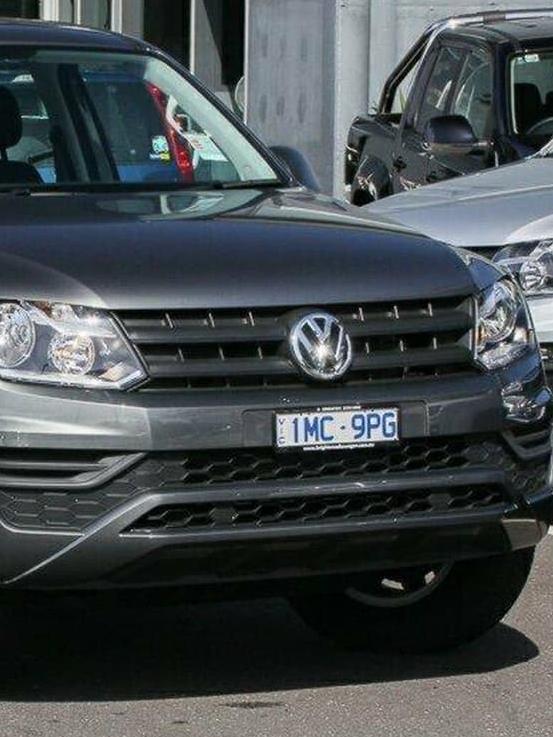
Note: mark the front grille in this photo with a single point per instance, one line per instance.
(35, 506)
(317, 509)
(229, 349)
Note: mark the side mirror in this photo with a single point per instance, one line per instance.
(298, 165)
(452, 135)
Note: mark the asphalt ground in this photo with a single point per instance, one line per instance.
(252, 668)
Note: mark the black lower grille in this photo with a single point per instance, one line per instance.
(314, 509)
(522, 458)
(208, 468)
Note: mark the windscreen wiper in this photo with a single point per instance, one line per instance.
(120, 187)
(248, 184)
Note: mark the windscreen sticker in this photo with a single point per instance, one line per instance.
(204, 145)
(160, 149)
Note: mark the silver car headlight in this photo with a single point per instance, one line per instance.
(504, 325)
(51, 343)
(531, 264)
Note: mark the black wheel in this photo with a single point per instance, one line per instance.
(423, 609)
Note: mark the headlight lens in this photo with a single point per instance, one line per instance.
(531, 264)
(505, 329)
(17, 335)
(63, 344)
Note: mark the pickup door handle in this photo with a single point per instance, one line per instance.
(399, 163)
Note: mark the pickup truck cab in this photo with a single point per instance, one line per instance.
(474, 92)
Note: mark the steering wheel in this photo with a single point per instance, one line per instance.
(536, 128)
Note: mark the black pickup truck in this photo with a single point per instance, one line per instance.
(473, 92)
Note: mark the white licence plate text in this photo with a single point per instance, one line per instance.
(341, 428)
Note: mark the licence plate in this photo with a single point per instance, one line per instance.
(344, 427)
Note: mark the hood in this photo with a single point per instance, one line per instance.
(510, 204)
(214, 249)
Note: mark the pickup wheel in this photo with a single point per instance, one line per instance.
(423, 609)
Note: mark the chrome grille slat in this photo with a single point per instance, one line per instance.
(230, 348)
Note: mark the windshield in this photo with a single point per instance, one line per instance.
(531, 97)
(96, 118)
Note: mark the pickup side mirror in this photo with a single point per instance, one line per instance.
(298, 165)
(453, 135)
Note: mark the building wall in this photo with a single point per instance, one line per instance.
(291, 90)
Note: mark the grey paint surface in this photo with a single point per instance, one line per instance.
(165, 672)
(510, 204)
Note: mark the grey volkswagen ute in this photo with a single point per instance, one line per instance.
(215, 381)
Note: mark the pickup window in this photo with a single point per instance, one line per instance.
(531, 95)
(473, 97)
(439, 88)
(399, 102)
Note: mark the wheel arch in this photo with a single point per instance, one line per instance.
(371, 181)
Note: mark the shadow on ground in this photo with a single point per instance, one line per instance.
(123, 654)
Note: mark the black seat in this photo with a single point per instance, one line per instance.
(528, 105)
(11, 130)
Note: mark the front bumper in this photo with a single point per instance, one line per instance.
(118, 510)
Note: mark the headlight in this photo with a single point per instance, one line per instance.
(505, 329)
(531, 264)
(62, 344)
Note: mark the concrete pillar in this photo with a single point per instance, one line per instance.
(290, 77)
(351, 77)
(57, 10)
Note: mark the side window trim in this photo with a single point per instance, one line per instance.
(419, 86)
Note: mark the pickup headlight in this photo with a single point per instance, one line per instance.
(531, 264)
(47, 343)
(504, 328)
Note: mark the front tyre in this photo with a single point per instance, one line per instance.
(418, 610)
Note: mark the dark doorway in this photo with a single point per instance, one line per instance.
(219, 48)
(167, 25)
(19, 8)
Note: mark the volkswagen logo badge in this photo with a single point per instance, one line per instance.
(320, 346)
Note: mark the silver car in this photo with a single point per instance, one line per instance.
(505, 214)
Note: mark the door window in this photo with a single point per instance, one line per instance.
(437, 95)
(473, 97)
(34, 148)
(531, 96)
(399, 103)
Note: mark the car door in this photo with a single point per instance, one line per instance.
(473, 99)
(410, 164)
